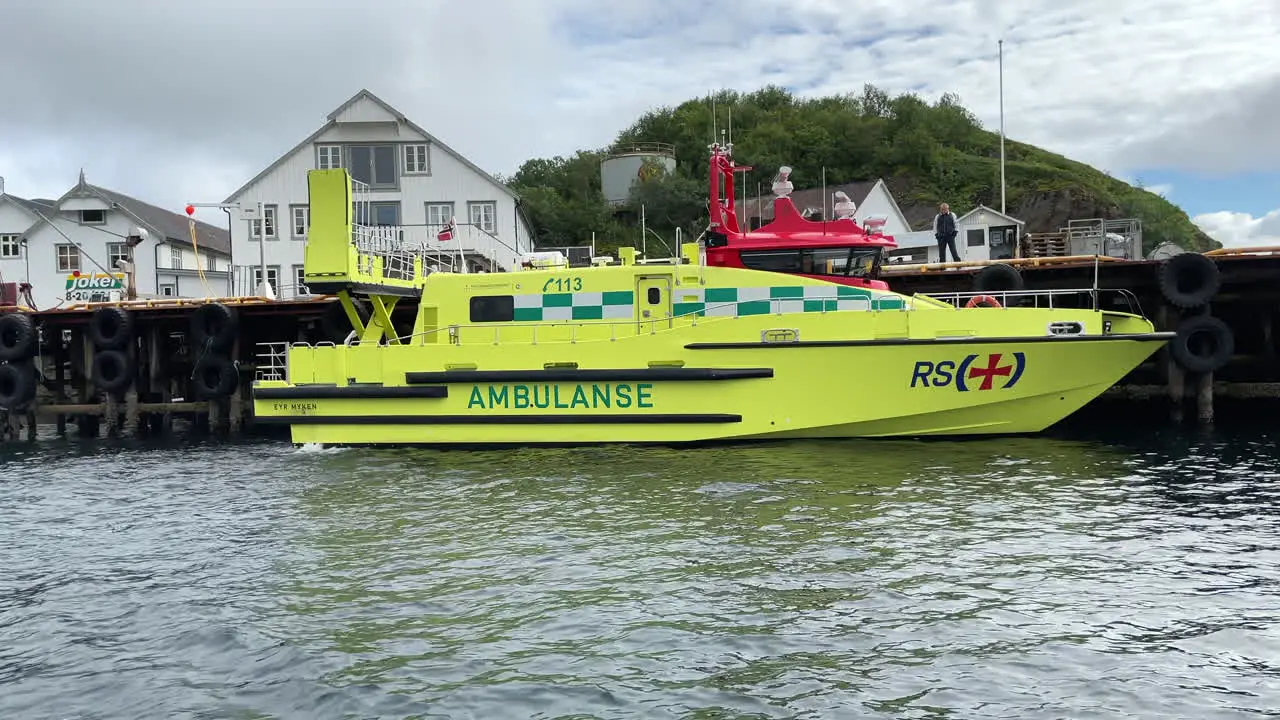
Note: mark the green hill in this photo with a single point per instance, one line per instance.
(926, 153)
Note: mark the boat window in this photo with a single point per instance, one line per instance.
(840, 261)
(493, 308)
(655, 296)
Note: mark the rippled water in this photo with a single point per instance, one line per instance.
(1019, 579)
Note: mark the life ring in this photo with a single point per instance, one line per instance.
(1189, 280)
(216, 377)
(998, 277)
(17, 384)
(111, 371)
(214, 327)
(18, 336)
(982, 301)
(110, 328)
(1203, 344)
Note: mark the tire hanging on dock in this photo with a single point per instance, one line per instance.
(110, 328)
(998, 278)
(1203, 344)
(216, 377)
(1189, 280)
(17, 384)
(112, 371)
(19, 338)
(214, 327)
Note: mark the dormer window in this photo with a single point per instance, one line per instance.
(93, 217)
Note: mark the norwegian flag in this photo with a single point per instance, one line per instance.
(446, 233)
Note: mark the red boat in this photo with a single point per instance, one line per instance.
(838, 250)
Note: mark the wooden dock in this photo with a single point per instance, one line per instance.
(136, 368)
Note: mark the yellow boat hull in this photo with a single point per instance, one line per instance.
(671, 353)
(720, 392)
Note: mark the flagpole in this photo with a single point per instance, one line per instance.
(1002, 183)
(462, 260)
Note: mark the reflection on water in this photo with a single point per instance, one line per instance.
(1005, 578)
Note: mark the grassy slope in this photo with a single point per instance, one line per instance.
(927, 153)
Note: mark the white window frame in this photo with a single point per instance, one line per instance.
(438, 214)
(273, 276)
(175, 257)
(299, 278)
(417, 159)
(478, 206)
(168, 290)
(67, 257)
(103, 221)
(116, 251)
(328, 157)
(10, 246)
(269, 217)
(294, 211)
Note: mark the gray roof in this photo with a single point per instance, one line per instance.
(171, 225)
(34, 203)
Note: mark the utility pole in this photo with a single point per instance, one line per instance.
(1002, 188)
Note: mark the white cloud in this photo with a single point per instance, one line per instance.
(1241, 229)
(178, 101)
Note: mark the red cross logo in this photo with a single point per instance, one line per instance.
(989, 373)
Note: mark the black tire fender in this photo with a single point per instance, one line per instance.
(998, 278)
(214, 326)
(18, 336)
(17, 384)
(1203, 344)
(110, 328)
(335, 324)
(112, 371)
(1189, 280)
(216, 377)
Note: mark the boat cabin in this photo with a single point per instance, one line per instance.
(837, 250)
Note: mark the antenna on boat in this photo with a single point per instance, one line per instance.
(824, 199)
(714, 134)
(643, 232)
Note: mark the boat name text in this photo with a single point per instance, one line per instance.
(961, 375)
(573, 284)
(297, 407)
(591, 396)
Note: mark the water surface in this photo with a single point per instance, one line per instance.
(1043, 577)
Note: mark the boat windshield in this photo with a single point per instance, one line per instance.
(857, 262)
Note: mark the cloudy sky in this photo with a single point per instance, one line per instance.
(184, 101)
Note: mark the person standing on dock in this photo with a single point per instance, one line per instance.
(944, 230)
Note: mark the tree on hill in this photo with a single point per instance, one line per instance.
(926, 152)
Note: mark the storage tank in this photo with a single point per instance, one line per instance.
(627, 164)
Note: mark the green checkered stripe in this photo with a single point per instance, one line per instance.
(707, 302)
(737, 302)
(535, 307)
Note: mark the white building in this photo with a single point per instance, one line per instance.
(67, 248)
(416, 184)
(982, 234)
(870, 199)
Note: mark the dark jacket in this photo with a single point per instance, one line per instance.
(944, 225)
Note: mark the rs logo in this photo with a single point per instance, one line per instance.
(944, 373)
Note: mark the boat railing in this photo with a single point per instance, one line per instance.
(709, 312)
(1044, 299)
(272, 361)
